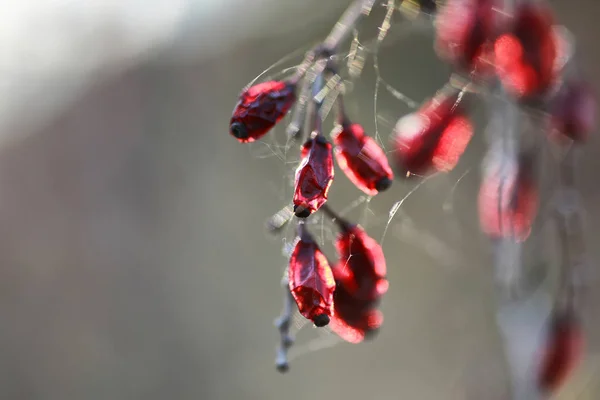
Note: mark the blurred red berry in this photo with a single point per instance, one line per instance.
(259, 108)
(508, 204)
(361, 263)
(434, 137)
(314, 176)
(525, 57)
(311, 280)
(562, 353)
(354, 320)
(574, 110)
(361, 159)
(463, 31)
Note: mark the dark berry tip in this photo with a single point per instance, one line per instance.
(321, 320)
(383, 184)
(238, 130)
(301, 211)
(283, 367)
(321, 139)
(370, 334)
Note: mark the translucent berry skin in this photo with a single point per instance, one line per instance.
(311, 281)
(361, 159)
(433, 138)
(354, 320)
(463, 31)
(360, 275)
(525, 57)
(562, 353)
(314, 176)
(508, 206)
(362, 265)
(574, 111)
(259, 108)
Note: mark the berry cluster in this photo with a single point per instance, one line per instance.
(508, 51)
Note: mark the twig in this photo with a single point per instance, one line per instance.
(340, 31)
(324, 50)
(283, 324)
(568, 215)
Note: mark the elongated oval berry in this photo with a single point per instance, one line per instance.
(259, 108)
(563, 351)
(464, 29)
(311, 280)
(508, 204)
(526, 56)
(362, 264)
(362, 160)
(360, 282)
(573, 110)
(314, 176)
(434, 137)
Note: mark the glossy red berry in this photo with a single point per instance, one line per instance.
(361, 264)
(259, 108)
(434, 137)
(464, 29)
(314, 176)
(574, 110)
(562, 353)
(508, 204)
(311, 280)
(362, 159)
(525, 57)
(360, 276)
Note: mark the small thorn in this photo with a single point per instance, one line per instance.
(293, 131)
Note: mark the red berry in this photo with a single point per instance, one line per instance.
(463, 29)
(259, 108)
(353, 318)
(314, 176)
(508, 205)
(361, 159)
(311, 280)
(526, 56)
(574, 111)
(433, 138)
(562, 352)
(361, 264)
(354, 326)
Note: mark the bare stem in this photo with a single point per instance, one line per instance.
(328, 47)
(283, 323)
(340, 31)
(568, 214)
(341, 222)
